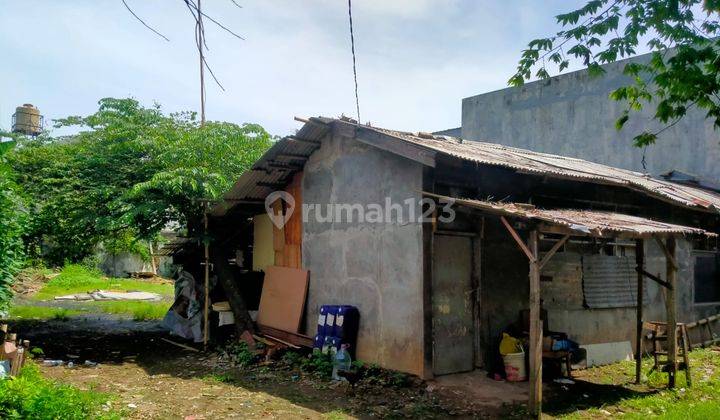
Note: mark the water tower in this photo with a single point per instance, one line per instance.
(27, 120)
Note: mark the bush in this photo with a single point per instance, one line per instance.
(30, 396)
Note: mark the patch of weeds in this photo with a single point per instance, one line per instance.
(223, 378)
(336, 415)
(318, 364)
(61, 314)
(30, 396)
(240, 354)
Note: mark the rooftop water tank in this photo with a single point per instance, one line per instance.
(27, 120)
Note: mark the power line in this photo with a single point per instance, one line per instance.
(352, 48)
(143, 22)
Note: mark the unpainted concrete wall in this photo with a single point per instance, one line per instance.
(376, 267)
(571, 115)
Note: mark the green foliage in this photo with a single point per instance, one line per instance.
(30, 396)
(240, 354)
(125, 175)
(318, 363)
(12, 220)
(684, 37)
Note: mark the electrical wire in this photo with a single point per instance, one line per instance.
(352, 48)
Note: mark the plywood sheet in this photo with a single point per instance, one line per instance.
(263, 251)
(283, 298)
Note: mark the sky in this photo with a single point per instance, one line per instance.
(416, 59)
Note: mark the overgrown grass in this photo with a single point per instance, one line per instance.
(41, 312)
(140, 311)
(78, 279)
(699, 401)
(30, 396)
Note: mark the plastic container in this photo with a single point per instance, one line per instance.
(322, 320)
(515, 367)
(341, 362)
(318, 342)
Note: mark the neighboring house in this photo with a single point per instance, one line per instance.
(434, 297)
(571, 115)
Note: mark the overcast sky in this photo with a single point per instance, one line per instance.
(416, 58)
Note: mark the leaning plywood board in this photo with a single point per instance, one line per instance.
(283, 298)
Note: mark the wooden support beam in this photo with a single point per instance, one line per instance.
(640, 268)
(553, 250)
(656, 279)
(536, 329)
(532, 258)
(671, 311)
(665, 249)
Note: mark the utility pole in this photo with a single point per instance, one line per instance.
(200, 31)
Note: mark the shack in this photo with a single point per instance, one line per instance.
(442, 243)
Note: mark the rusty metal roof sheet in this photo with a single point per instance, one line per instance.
(584, 222)
(560, 167)
(250, 185)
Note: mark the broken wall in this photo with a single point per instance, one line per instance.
(374, 266)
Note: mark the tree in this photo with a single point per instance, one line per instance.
(12, 218)
(129, 172)
(681, 74)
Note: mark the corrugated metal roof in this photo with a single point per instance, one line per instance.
(560, 167)
(249, 186)
(584, 222)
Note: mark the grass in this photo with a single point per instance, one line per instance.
(42, 312)
(30, 396)
(652, 398)
(140, 311)
(78, 279)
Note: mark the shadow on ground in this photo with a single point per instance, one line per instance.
(168, 381)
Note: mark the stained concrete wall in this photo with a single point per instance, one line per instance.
(374, 266)
(505, 292)
(571, 115)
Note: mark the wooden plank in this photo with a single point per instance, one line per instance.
(518, 240)
(640, 265)
(292, 338)
(283, 298)
(671, 311)
(553, 250)
(657, 279)
(536, 334)
(669, 255)
(182, 346)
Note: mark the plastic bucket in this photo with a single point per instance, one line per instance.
(515, 367)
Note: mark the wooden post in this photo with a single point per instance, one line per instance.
(670, 307)
(206, 306)
(536, 333)
(640, 262)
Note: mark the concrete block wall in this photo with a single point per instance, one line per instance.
(376, 267)
(571, 115)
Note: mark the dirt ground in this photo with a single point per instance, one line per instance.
(152, 379)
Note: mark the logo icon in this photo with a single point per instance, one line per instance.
(279, 206)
